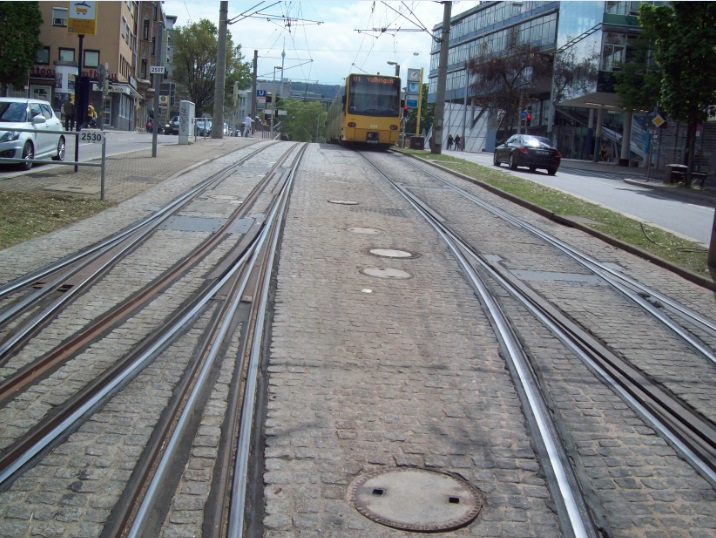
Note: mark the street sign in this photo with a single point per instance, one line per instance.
(260, 93)
(82, 18)
(658, 120)
(412, 101)
(156, 69)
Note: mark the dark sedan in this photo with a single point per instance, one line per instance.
(530, 151)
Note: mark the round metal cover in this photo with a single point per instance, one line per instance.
(416, 500)
(392, 253)
(382, 272)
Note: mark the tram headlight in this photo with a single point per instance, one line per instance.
(394, 127)
(351, 124)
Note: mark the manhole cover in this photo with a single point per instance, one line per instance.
(382, 272)
(416, 500)
(392, 253)
(342, 202)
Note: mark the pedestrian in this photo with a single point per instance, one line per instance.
(91, 116)
(247, 125)
(449, 142)
(458, 141)
(68, 109)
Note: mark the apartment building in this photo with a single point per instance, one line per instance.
(124, 46)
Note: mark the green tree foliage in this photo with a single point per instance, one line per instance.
(304, 121)
(638, 81)
(19, 41)
(502, 81)
(427, 113)
(194, 63)
(684, 40)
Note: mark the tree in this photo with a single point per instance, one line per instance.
(19, 42)
(304, 121)
(638, 81)
(503, 82)
(194, 63)
(684, 40)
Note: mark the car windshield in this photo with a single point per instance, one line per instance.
(536, 141)
(13, 112)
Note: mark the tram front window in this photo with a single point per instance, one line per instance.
(374, 100)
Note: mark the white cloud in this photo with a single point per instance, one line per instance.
(335, 47)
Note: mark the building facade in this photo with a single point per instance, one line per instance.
(121, 51)
(575, 104)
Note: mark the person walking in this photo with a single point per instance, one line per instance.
(458, 141)
(91, 116)
(68, 109)
(449, 141)
(247, 125)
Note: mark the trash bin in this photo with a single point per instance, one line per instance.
(417, 142)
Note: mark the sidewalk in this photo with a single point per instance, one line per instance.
(635, 175)
(129, 174)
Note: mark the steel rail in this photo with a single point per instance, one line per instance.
(141, 525)
(21, 377)
(53, 428)
(613, 277)
(693, 435)
(567, 494)
(159, 215)
(237, 508)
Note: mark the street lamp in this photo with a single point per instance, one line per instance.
(273, 97)
(397, 67)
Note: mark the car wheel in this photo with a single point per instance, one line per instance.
(532, 169)
(551, 171)
(60, 156)
(513, 163)
(495, 160)
(28, 153)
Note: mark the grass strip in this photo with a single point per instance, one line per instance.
(677, 250)
(24, 215)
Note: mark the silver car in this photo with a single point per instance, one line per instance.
(44, 139)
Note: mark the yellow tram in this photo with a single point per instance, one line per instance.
(366, 111)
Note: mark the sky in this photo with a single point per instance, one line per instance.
(324, 41)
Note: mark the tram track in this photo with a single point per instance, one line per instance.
(693, 434)
(66, 418)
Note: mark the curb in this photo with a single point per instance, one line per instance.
(696, 278)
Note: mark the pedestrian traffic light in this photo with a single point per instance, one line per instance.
(529, 116)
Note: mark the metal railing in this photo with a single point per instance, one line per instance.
(90, 135)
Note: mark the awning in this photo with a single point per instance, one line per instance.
(126, 89)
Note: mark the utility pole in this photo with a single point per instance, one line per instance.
(217, 129)
(253, 85)
(442, 81)
(157, 79)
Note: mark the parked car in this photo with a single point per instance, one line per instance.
(41, 142)
(173, 126)
(203, 128)
(530, 151)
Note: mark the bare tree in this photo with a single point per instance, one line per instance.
(503, 82)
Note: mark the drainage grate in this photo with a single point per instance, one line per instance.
(388, 211)
(415, 500)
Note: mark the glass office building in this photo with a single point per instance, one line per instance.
(575, 104)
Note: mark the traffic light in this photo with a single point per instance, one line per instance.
(405, 110)
(529, 116)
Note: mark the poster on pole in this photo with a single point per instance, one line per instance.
(82, 18)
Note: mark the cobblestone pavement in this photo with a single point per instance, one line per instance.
(375, 363)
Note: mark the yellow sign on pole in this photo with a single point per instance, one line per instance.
(82, 18)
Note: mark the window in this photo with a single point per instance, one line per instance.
(155, 10)
(43, 56)
(35, 110)
(59, 16)
(91, 58)
(67, 55)
(46, 111)
(143, 70)
(145, 30)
